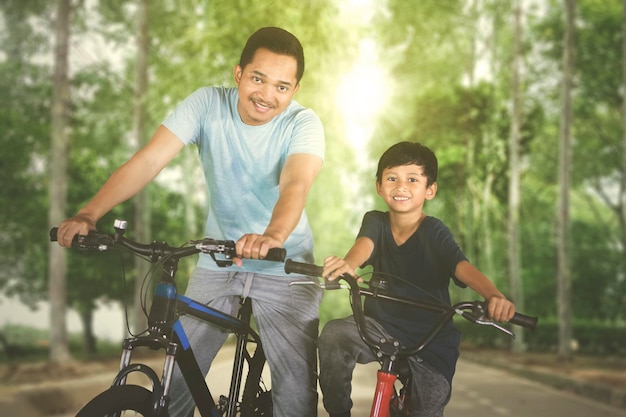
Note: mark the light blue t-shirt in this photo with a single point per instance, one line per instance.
(242, 166)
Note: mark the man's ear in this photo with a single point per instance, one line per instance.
(237, 73)
(431, 191)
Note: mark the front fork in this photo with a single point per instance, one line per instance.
(160, 386)
(162, 314)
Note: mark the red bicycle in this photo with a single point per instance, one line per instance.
(389, 402)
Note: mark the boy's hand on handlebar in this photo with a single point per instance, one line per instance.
(77, 225)
(500, 309)
(334, 267)
(253, 246)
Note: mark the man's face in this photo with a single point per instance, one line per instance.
(266, 86)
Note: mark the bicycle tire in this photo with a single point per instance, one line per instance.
(118, 399)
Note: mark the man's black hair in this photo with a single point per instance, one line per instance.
(276, 40)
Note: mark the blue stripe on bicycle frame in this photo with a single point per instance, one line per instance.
(202, 308)
(165, 290)
(178, 329)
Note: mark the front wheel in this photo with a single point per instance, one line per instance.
(123, 400)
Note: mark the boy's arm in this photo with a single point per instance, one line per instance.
(498, 307)
(356, 256)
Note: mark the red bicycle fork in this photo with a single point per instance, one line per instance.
(385, 381)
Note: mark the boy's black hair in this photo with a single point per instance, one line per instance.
(408, 153)
(276, 40)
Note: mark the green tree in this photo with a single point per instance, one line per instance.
(25, 122)
(513, 222)
(596, 152)
(564, 174)
(59, 350)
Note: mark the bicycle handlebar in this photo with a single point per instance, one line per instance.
(474, 311)
(96, 241)
(292, 266)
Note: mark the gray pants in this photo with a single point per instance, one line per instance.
(287, 318)
(341, 348)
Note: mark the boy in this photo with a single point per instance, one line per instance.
(420, 251)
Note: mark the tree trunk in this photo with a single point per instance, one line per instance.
(59, 351)
(89, 339)
(622, 201)
(517, 292)
(142, 215)
(562, 217)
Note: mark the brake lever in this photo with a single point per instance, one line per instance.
(497, 326)
(478, 316)
(225, 248)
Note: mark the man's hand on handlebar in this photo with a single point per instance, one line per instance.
(253, 246)
(69, 228)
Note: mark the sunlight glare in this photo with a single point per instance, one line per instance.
(362, 95)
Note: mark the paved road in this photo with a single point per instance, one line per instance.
(482, 391)
(478, 391)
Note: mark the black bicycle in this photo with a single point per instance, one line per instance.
(166, 333)
(389, 402)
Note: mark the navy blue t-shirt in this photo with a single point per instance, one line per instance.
(426, 260)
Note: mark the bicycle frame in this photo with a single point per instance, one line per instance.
(166, 332)
(390, 350)
(178, 350)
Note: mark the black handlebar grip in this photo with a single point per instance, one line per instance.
(523, 320)
(332, 285)
(276, 254)
(302, 268)
(53, 234)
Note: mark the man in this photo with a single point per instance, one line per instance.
(260, 152)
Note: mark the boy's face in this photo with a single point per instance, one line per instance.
(404, 188)
(266, 86)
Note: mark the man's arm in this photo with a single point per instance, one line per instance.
(124, 183)
(296, 180)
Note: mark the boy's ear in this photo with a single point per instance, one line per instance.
(431, 191)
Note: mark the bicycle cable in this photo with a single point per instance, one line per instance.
(124, 288)
(400, 279)
(151, 277)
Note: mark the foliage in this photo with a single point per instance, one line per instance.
(26, 344)
(24, 120)
(449, 83)
(593, 337)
